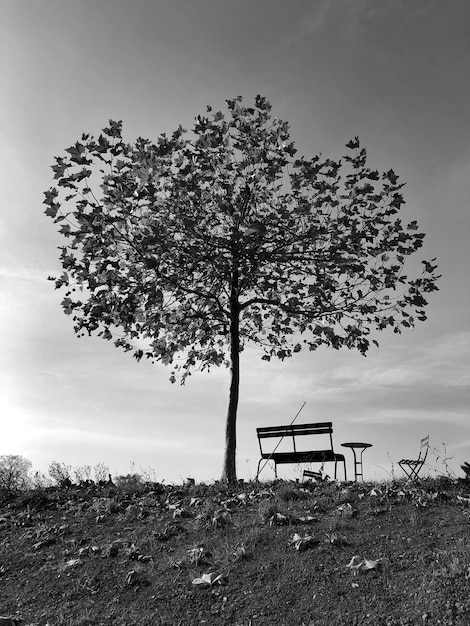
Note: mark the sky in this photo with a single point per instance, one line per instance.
(395, 73)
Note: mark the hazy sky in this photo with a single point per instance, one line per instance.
(396, 73)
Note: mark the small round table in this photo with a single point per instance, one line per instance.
(356, 445)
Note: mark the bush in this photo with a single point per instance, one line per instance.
(130, 483)
(60, 473)
(14, 472)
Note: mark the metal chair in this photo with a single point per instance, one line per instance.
(412, 467)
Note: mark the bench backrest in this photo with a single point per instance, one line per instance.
(295, 430)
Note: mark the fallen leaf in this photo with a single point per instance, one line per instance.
(355, 564)
(209, 580)
(347, 510)
(303, 543)
(307, 519)
(368, 564)
(278, 519)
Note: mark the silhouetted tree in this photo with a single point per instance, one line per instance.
(194, 247)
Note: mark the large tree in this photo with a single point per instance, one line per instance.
(194, 246)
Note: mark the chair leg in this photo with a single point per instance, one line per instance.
(412, 472)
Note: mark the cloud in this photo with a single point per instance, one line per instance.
(316, 19)
(352, 18)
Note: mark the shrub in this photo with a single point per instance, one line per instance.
(130, 483)
(14, 472)
(60, 473)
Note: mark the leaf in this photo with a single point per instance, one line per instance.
(103, 144)
(370, 565)
(279, 519)
(303, 543)
(209, 580)
(114, 129)
(52, 210)
(65, 230)
(50, 195)
(355, 564)
(76, 151)
(353, 144)
(60, 167)
(67, 305)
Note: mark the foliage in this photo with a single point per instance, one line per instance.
(82, 474)
(60, 473)
(194, 247)
(39, 480)
(101, 473)
(130, 483)
(14, 472)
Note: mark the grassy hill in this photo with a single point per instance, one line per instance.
(258, 554)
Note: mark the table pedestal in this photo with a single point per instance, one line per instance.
(360, 446)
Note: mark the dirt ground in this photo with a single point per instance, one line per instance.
(258, 554)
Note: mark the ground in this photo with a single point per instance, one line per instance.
(258, 554)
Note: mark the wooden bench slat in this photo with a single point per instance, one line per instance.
(318, 428)
(304, 456)
(290, 433)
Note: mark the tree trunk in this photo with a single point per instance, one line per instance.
(229, 471)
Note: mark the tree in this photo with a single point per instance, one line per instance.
(196, 246)
(14, 472)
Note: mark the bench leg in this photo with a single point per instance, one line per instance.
(344, 469)
(257, 471)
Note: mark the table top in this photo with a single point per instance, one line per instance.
(356, 444)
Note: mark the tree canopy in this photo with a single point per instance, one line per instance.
(193, 246)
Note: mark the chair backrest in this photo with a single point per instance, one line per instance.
(423, 449)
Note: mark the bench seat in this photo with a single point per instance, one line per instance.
(304, 456)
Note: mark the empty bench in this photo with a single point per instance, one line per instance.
(292, 432)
